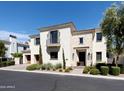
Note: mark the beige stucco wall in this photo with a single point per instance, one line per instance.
(87, 42)
(99, 47)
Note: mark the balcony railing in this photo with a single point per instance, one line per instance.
(49, 43)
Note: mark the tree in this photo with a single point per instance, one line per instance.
(112, 27)
(40, 55)
(63, 56)
(2, 49)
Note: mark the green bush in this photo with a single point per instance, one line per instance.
(115, 70)
(121, 69)
(38, 67)
(12, 63)
(104, 70)
(49, 66)
(98, 65)
(67, 70)
(54, 69)
(0, 64)
(94, 71)
(4, 64)
(8, 63)
(43, 67)
(60, 70)
(86, 70)
(17, 55)
(58, 66)
(32, 67)
(70, 68)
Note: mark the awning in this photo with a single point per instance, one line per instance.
(81, 48)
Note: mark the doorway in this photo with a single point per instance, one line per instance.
(82, 57)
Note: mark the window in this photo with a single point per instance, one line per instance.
(98, 56)
(37, 41)
(99, 37)
(81, 40)
(53, 37)
(54, 55)
(37, 57)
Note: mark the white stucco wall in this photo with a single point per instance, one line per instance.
(34, 50)
(65, 43)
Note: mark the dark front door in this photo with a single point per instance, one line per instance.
(82, 58)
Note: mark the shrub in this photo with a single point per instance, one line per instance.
(121, 68)
(8, 63)
(86, 70)
(4, 64)
(58, 65)
(12, 62)
(104, 70)
(32, 67)
(60, 70)
(49, 66)
(115, 70)
(43, 67)
(17, 54)
(98, 65)
(54, 69)
(0, 64)
(67, 70)
(94, 71)
(38, 67)
(70, 68)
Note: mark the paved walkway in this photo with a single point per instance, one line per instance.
(16, 67)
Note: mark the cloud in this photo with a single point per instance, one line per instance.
(20, 37)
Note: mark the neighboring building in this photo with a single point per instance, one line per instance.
(13, 46)
(83, 47)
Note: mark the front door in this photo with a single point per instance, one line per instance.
(82, 58)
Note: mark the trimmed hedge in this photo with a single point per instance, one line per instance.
(104, 70)
(98, 65)
(121, 69)
(115, 70)
(94, 71)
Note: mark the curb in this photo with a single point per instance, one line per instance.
(68, 74)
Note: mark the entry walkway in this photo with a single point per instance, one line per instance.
(16, 67)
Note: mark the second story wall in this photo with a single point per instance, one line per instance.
(33, 46)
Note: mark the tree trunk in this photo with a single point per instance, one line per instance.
(116, 60)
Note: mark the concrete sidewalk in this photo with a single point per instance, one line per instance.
(121, 77)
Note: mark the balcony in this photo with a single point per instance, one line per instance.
(53, 39)
(52, 44)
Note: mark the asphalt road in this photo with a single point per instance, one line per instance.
(24, 81)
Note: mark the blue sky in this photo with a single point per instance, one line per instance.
(23, 18)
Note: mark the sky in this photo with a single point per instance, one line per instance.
(24, 18)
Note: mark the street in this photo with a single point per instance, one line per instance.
(24, 81)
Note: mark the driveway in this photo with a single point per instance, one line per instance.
(24, 81)
(16, 67)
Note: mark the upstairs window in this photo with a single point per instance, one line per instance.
(99, 37)
(81, 40)
(37, 41)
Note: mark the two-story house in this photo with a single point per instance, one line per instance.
(13, 46)
(83, 47)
